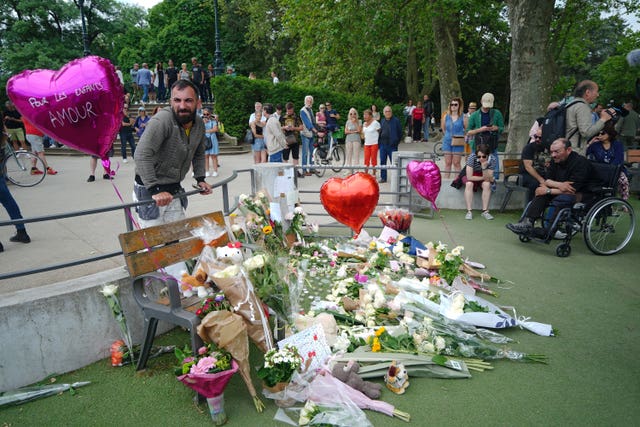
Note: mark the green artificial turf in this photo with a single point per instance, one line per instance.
(592, 378)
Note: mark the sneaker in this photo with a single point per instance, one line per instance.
(36, 171)
(469, 215)
(520, 227)
(21, 236)
(494, 187)
(382, 181)
(560, 235)
(106, 176)
(51, 171)
(487, 215)
(214, 174)
(1, 248)
(125, 160)
(207, 173)
(91, 178)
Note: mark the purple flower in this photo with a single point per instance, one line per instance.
(202, 350)
(219, 298)
(361, 278)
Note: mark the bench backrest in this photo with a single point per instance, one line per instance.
(169, 243)
(633, 156)
(510, 167)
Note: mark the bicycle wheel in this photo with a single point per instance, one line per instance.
(337, 158)
(18, 169)
(437, 149)
(609, 226)
(317, 160)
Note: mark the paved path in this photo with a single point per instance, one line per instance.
(66, 240)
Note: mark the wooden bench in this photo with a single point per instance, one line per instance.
(633, 158)
(169, 243)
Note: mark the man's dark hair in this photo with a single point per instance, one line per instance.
(181, 84)
(268, 108)
(289, 105)
(582, 87)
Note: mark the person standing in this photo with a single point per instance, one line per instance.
(274, 78)
(9, 202)
(273, 136)
(291, 126)
(332, 117)
(453, 126)
(371, 130)
(211, 153)
(160, 79)
(257, 122)
(126, 134)
(408, 117)
(485, 126)
(580, 127)
(209, 73)
(144, 79)
(134, 82)
(352, 140)
(197, 76)
(308, 133)
(390, 136)
(418, 119)
(427, 106)
(184, 74)
(12, 120)
(628, 126)
(173, 141)
(170, 77)
(35, 138)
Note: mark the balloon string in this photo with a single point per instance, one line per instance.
(446, 227)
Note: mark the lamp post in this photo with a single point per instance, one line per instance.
(85, 42)
(218, 61)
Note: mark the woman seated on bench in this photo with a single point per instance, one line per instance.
(480, 167)
(605, 148)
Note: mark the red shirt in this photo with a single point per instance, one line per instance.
(418, 113)
(30, 129)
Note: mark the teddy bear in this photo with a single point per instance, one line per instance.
(196, 282)
(397, 378)
(348, 374)
(230, 254)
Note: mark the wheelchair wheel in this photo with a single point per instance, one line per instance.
(563, 250)
(524, 238)
(609, 226)
(337, 158)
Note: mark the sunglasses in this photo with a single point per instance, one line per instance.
(206, 115)
(454, 104)
(602, 133)
(483, 157)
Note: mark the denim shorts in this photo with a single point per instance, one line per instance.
(259, 145)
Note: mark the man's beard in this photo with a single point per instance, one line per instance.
(184, 119)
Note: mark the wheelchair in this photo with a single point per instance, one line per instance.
(607, 222)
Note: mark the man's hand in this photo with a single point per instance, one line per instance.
(566, 187)
(606, 115)
(205, 188)
(162, 199)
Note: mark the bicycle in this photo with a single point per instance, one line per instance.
(18, 164)
(331, 154)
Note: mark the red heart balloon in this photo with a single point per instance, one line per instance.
(351, 200)
(79, 105)
(426, 179)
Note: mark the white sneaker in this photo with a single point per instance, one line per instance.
(125, 160)
(207, 174)
(487, 215)
(560, 235)
(469, 215)
(214, 174)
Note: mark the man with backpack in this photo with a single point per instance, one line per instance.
(579, 126)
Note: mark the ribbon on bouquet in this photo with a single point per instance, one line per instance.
(542, 329)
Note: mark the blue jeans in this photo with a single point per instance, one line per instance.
(386, 152)
(307, 151)
(425, 128)
(124, 138)
(9, 202)
(496, 171)
(276, 157)
(145, 93)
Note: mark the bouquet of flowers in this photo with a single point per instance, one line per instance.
(261, 228)
(216, 302)
(110, 292)
(279, 366)
(297, 223)
(207, 373)
(449, 263)
(396, 219)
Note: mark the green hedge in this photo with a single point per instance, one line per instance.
(235, 97)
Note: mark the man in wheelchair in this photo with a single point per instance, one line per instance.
(569, 175)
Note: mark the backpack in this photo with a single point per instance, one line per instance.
(554, 124)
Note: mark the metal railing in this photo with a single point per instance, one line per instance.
(410, 203)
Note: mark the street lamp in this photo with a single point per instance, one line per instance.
(218, 61)
(85, 42)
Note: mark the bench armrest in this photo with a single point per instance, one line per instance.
(140, 293)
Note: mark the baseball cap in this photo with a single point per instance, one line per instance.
(473, 105)
(141, 109)
(487, 100)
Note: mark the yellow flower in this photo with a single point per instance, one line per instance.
(267, 229)
(380, 331)
(375, 347)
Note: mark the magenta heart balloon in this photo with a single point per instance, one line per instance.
(426, 179)
(79, 105)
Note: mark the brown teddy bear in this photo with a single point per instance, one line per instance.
(348, 374)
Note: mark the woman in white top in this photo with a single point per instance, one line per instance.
(352, 142)
(371, 130)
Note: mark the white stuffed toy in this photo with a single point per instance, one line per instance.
(230, 254)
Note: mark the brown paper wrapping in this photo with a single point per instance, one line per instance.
(228, 331)
(235, 290)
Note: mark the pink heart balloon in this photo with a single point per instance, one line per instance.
(426, 179)
(79, 105)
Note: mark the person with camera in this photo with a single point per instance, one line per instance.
(485, 127)
(580, 128)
